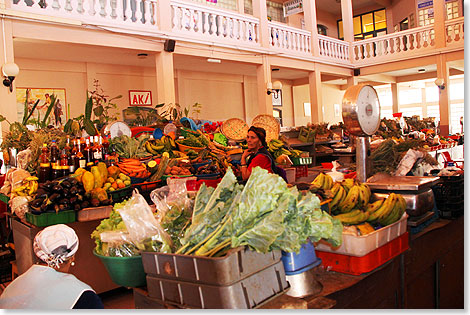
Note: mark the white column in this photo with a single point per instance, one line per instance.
(8, 104)
(310, 16)
(263, 76)
(348, 26)
(394, 87)
(260, 11)
(439, 23)
(443, 73)
(316, 101)
(165, 78)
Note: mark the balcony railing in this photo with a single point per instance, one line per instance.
(455, 30)
(212, 24)
(394, 45)
(289, 39)
(333, 48)
(206, 24)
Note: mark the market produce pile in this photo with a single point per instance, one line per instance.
(264, 215)
(351, 204)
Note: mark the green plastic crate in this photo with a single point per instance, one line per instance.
(4, 198)
(121, 194)
(297, 161)
(51, 218)
(306, 135)
(124, 271)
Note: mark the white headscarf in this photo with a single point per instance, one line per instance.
(55, 244)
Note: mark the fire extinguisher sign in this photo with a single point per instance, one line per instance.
(140, 98)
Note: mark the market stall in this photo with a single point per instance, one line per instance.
(163, 208)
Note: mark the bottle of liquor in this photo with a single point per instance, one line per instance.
(88, 153)
(67, 146)
(82, 144)
(97, 151)
(71, 157)
(80, 160)
(64, 163)
(54, 157)
(44, 165)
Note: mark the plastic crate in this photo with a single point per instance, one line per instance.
(120, 195)
(361, 245)
(221, 271)
(451, 210)
(306, 135)
(51, 218)
(194, 185)
(297, 161)
(358, 265)
(449, 189)
(248, 293)
(96, 213)
(301, 171)
(124, 271)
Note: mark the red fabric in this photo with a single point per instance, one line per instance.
(261, 161)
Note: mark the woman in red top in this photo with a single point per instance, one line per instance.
(256, 154)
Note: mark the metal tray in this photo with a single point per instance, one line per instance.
(236, 265)
(417, 203)
(410, 183)
(248, 293)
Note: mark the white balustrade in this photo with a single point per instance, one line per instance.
(333, 48)
(393, 45)
(213, 23)
(455, 30)
(131, 14)
(289, 39)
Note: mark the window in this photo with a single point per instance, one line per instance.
(426, 16)
(433, 111)
(412, 111)
(223, 4)
(456, 111)
(432, 93)
(452, 10)
(456, 91)
(409, 96)
(248, 7)
(367, 25)
(275, 11)
(386, 113)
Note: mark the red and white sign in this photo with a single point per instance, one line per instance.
(140, 98)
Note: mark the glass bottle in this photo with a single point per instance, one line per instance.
(88, 153)
(64, 163)
(97, 151)
(54, 151)
(80, 160)
(44, 164)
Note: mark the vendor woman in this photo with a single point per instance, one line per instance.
(257, 153)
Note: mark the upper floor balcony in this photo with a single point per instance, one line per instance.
(199, 23)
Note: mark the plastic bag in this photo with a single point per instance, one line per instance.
(337, 176)
(144, 230)
(408, 161)
(118, 244)
(175, 193)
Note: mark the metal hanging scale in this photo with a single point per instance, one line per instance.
(361, 116)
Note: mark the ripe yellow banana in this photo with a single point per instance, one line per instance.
(318, 181)
(350, 201)
(33, 187)
(393, 215)
(363, 196)
(357, 216)
(372, 207)
(384, 210)
(339, 196)
(394, 200)
(348, 183)
(328, 182)
(149, 148)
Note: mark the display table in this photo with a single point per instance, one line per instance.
(88, 268)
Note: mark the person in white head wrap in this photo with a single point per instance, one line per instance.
(48, 285)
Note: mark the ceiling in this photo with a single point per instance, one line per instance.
(334, 6)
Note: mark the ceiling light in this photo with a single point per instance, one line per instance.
(213, 60)
(142, 55)
(275, 69)
(421, 70)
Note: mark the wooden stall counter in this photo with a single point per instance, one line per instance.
(88, 268)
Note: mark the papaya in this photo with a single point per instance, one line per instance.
(97, 177)
(103, 171)
(113, 171)
(99, 193)
(79, 172)
(88, 181)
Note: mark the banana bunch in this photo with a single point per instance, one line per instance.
(28, 187)
(276, 148)
(355, 216)
(349, 195)
(296, 153)
(154, 146)
(388, 211)
(322, 181)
